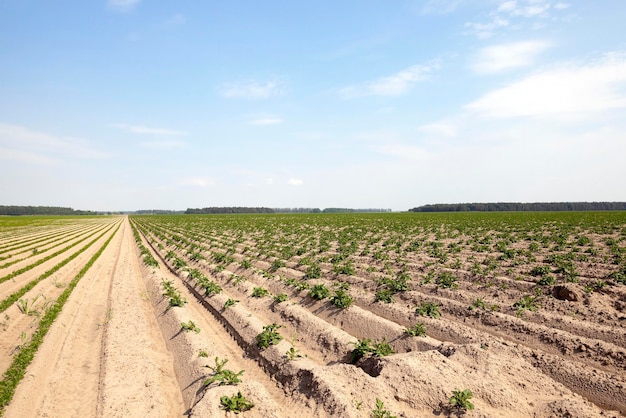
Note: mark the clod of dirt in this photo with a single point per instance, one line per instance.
(566, 292)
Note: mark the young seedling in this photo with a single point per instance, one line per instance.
(460, 400)
(361, 348)
(281, 297)
(236, 403)
(478, 304)
(203, 353)
(417, 330)
(380, 411)
(189, 326)
(259, 292)
(223, 376)
(319, 292)
(383, 295)
(526, 303)
(229, 302)
(269, 336)
(382, 349)
(430, 309)
(293, 353)
(341, 299)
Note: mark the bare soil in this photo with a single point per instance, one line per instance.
(118, 348)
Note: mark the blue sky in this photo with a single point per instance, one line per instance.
(135, 104)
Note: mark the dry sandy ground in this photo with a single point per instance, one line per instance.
(105, 355)
(118, 350)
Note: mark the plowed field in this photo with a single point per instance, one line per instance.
(315, 315)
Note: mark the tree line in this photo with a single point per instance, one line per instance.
(520, 207)
(41, 210)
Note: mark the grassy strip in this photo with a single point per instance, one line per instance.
(16, 371)
(43, 260)
(10, 263)
(15, 296)
(147, 257)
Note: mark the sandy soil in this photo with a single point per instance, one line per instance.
(118, 349)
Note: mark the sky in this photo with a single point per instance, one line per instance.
(174, 104)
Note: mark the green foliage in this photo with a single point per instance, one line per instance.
(546, 280)
(293, 353)
(176, 298)
(236, 403)
(269, 336)
(281, 297)
(211, 288)
(478, 304)
(430, 309)
(313, 271)
(221, 375)
(380, 411)
(259, 292)
(276, 264)
(447, 280)
(460, 400)
(527, 302)
(383, 295)
(229, 302)
(189, 326)
(417, 330)
(341, 299)
(365, 346)
(319, 292)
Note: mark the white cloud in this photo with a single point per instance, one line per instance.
(439, 129)
(138, 129)
(251, 90)
(393, 85)
(122, 5)
(266, 121)
(486, 30)
(504, 57)
(295, 182)
(513, 13)
(566, 91)
(41, 147)
(198, 182)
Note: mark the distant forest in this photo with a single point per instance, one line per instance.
(279, 210)
(41, 210)
(520, 207)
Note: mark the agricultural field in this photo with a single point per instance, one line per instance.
(345, 315)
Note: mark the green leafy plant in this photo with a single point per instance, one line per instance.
(365, 346)
(221, 375)
(189, 326)
(211, 288)
(382, 348)
(417, 330)
(430, 309)
(383, 295)
(236, 403)
(281, 297)
(319, 292)
(313, 271)
(478, 304)
(447, 281)
(269, 336)
(460, 399)
(229, 302)
(527, 302)
(259, 292)
(293, 353)
(341, 299)
(361, 348)
(203, 353)
(380, 411)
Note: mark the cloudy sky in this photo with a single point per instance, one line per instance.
(131, 104)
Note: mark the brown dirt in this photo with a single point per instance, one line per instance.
(117, 349)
